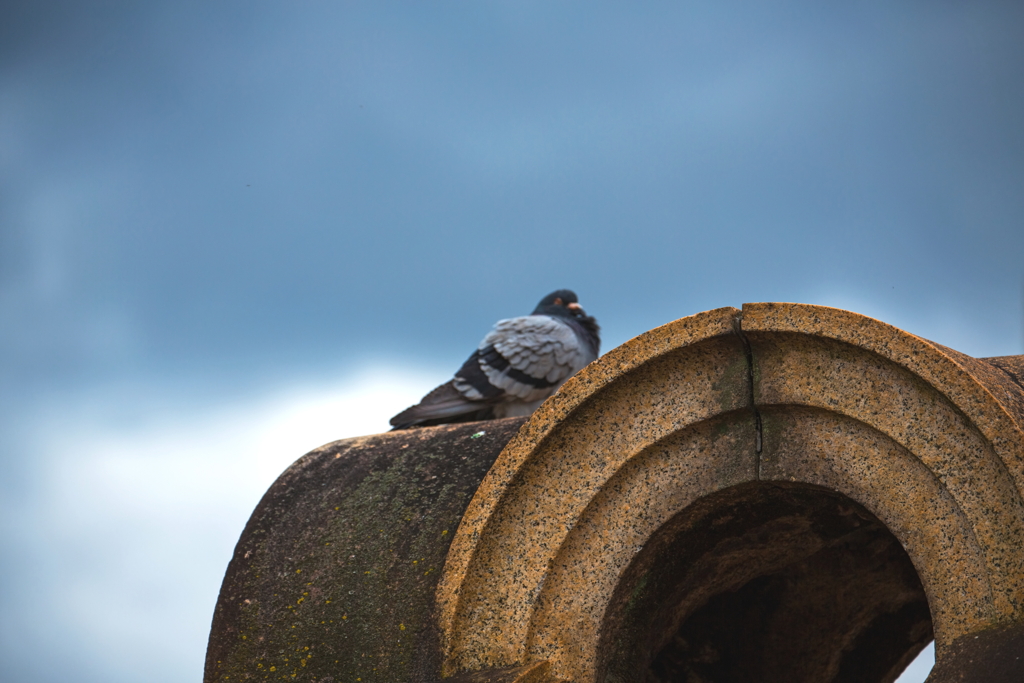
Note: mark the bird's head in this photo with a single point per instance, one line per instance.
(563, 302)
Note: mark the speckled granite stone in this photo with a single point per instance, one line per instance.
(536, 495)
(334, 575)
(925, 440)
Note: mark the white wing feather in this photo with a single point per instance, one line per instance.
(540, 346)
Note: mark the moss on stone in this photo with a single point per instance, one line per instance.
(335, 573)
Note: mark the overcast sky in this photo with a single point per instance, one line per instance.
(232, 231)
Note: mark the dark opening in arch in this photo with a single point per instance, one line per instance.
(768, 582)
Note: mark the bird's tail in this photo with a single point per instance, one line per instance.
(441, 406)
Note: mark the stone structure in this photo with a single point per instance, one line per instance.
(783, 493)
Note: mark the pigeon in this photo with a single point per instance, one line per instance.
(518, 364)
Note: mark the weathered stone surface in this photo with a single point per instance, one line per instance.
(334, 576)
(532, 500)
(783, 493)
(531, 673)
(923, 440)
(992, 656)
(1011, 365)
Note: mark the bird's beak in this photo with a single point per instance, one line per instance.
(574, 307)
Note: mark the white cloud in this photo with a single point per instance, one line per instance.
(125, 538)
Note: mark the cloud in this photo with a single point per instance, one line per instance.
(121, 548)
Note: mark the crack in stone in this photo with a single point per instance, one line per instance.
(737, 325)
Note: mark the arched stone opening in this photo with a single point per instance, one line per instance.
(770, 582)
(777, 399)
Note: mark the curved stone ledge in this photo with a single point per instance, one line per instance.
(782, 493)
(334, 575)
(802, 394)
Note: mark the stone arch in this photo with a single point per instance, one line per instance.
(766, 581)
(924, 440)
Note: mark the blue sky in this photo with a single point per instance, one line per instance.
(230, 232)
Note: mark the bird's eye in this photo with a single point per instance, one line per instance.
(558, 302)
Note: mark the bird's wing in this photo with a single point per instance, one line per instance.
(526, 358)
